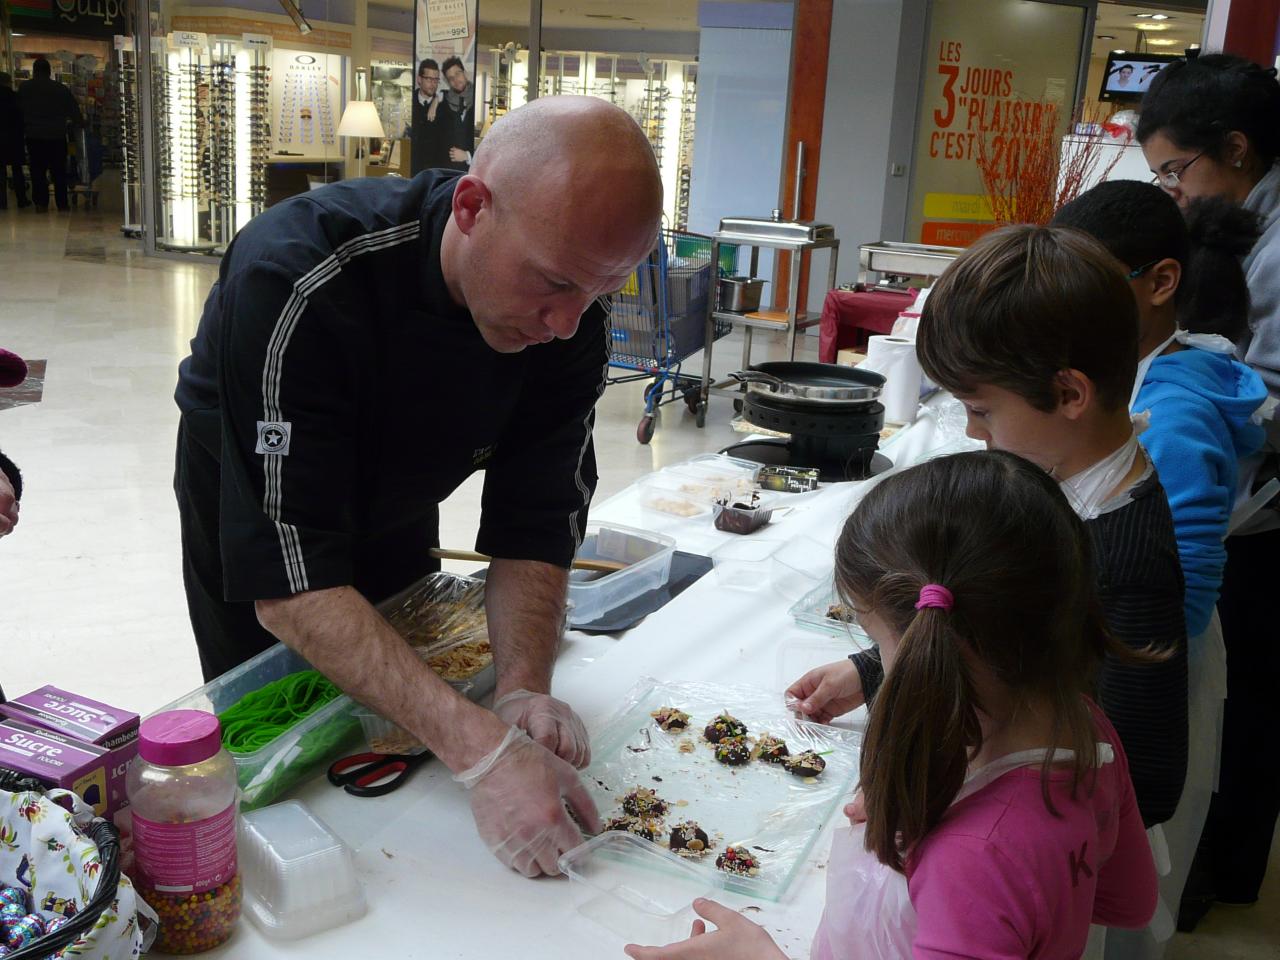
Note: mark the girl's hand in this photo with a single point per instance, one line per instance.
(856, 809)
(735, 938)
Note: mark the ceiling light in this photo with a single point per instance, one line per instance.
(1144, 16)
(1152, 27)
(1101, 36)
(1162, 41)
(1161, 16)
(1119, 51)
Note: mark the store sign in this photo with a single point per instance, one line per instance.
(186, 38)
(90, 18)
(443, 110)
(256, 41)
(993, 67)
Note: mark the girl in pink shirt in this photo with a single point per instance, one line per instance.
(999, 818)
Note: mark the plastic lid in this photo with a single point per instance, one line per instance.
(178, 737)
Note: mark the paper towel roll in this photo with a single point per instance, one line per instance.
(895, 358)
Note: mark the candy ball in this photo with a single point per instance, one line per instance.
(11, 912)
(22, 932)
(14, 895)
(55, 923)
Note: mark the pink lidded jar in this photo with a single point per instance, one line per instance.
(184, 796)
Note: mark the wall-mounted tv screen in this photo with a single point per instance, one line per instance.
(1129, 74)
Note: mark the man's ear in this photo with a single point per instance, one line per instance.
(1075, 392)
(470, 196)
(1165, 277)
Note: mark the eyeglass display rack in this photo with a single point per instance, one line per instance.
(213, 127)
(688, 113)
(130, 137)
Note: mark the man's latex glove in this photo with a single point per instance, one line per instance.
(518, 797)
(548, 721)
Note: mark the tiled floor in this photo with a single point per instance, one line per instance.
(90, 583)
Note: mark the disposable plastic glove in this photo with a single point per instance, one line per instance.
(518, 797)
(548, 721)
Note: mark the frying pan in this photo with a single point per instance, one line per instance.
(802, 382)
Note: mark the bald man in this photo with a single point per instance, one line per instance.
(366, 348)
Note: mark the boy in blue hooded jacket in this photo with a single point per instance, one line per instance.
(1197, 404)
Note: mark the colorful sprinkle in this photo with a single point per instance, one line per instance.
(195, 922)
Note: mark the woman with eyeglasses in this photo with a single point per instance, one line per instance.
(1210, 127)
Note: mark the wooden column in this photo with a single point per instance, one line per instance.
(810, 45)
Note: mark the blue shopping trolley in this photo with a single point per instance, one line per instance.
(658, 319)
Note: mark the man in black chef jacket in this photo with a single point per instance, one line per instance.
(365, 349)
(428, 134)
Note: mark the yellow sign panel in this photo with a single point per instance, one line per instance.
(957, 206)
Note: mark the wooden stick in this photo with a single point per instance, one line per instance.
(599, 566)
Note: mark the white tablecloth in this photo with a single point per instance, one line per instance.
(434, 891)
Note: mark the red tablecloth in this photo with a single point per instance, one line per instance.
(849, 317)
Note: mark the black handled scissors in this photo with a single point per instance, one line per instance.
(375, 774)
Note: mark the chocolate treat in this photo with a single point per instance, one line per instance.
(771, 749)
(738, 860)
(841, 613)
(644, 802)
(807, 764)
(645, 827)
(670, 719)
(733, 751)
(724, 726)
(689, 839)
(743, 515)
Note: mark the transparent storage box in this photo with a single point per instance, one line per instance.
(297, 754)
(442, 617)
(813, 611)
(648, 559)
(634, 889)
(744, 563)
(299, 877)
(662, 498)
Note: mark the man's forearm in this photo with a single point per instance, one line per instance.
(524, 603)
(347, 640)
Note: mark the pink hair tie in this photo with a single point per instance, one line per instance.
(935, 596)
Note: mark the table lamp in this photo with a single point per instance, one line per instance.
(360, 119)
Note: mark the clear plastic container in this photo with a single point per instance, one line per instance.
(814, 611)
(298, 753)
(662, 495)
(299, 877)
(707, 482)
(183, 796)
(799, 565)
(648, 559)
(634, 889)
(744, 563)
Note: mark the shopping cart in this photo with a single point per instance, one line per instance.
(659, 319)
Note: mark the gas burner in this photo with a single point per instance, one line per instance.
(832, 468)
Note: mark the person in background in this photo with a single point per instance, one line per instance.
(1000, 819)
(1035, 331)
(12, 155)
(1199, 404)
(47, 109)
(426, 127)
(460, 111)
(1210, 127)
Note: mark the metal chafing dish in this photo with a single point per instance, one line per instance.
(904, 259)
(771, 230)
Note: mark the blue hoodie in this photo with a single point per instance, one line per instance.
(1201, 404)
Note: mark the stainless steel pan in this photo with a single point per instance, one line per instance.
(823, 384)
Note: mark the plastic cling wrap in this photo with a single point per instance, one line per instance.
(776, 815)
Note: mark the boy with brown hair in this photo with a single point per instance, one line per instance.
(1035, 331)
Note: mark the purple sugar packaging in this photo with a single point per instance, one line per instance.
(90, 722)
(57, 760)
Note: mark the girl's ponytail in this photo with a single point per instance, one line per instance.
(1213, 296)
(927, 701)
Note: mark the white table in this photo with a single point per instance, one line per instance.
(434, 891)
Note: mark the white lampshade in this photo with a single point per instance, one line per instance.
(360, 119)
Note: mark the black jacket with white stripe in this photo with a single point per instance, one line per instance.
(345, 396)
